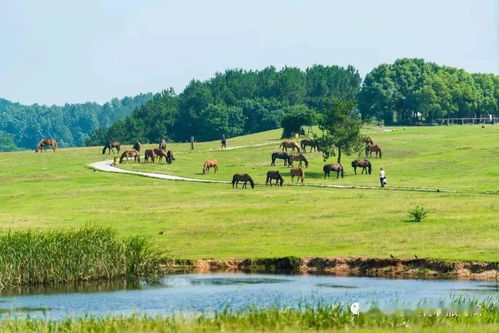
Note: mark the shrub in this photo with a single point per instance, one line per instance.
(418, 213)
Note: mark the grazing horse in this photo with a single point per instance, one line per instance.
(297, 157)
(373, 148)
(367, 140)
(210, 164)
(297, 172)
(130, 153)
(364, 164)
(333, 167)
(274, 175)
(149, 154)
(44, 143)
(160, 153)
(242, 177)
(289, 144)
(136, 146)
(110, 145)
(281, 155)
(311, 143)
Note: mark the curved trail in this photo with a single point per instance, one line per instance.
(108, 166)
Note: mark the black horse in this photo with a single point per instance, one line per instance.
(136, 146)
(281, 155)
(333, 167)
(242, 177)
(364, 164)
(274, 175)
(110, 145)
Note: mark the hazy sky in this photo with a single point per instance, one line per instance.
(58, 51)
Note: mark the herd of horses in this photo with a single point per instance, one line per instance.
(296, 155)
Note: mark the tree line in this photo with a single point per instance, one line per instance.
(237, 102)
(22, 126)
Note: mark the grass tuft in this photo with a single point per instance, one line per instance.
(29, 258)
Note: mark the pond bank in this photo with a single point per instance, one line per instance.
(346, 266)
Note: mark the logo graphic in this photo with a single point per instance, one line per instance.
(355, 308)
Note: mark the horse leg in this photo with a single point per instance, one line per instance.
(216, 168)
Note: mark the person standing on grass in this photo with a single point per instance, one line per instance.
(382, 177)
(224, 142)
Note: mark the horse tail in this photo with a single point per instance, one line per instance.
(379, 152)
(234, 178)
(342, 173)
(369, 167)
(251, 181)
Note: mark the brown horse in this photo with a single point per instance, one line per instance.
(242, 177)
(274, 175)
(333, 167)
(160, 153)
(149, 154)
(210, 164)
(311, 143)
(367, 140)
(364, 164)
(298, 172)
(136, 146)
(130, 153)
(110, 145)
(376, 149)
(162, 144)
(289, 144)
(44, 143)
(297, 157)
(281, 155)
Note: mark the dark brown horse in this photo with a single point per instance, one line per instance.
(274, 175)
(160, 153)
(130, 153)
(289, 144)
(364, 164)
(281, 155)
(297, 157)
(367, 140)
(208, 164)
(110, 147)
(311, 143)
(41, 146)
(136, 146)
(162, 144)
(242, 177)
(149, 155)
(298, 172)
(376, 149)
(333, 167)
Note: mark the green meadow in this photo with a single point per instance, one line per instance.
(47, 191)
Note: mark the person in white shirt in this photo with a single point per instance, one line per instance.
(382, 177)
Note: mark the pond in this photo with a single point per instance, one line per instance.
(207, 293)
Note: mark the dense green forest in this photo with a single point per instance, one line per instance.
(410, 91)
(233, 103)
(236, 102)
(22, 126)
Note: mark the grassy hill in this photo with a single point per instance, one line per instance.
(53, 190)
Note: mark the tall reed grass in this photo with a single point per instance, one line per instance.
(29, 258)
(313, 318)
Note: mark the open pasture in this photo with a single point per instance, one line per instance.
(199, 220)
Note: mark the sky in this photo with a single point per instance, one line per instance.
(69, 51)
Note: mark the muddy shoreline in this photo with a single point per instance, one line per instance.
(346, 266)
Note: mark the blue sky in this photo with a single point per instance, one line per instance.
(58, 51)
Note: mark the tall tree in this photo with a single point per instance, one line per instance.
(340, 130)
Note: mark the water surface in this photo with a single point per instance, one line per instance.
(208, 293)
